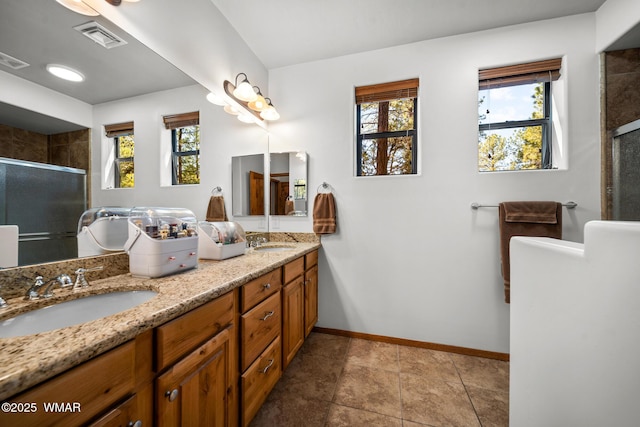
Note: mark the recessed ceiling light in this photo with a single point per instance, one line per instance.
(78, 6)
(65, 72)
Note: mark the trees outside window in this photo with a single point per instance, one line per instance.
(386, 128)
(186, 155)
(514, 116)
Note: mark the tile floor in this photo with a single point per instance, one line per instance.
(339, 381)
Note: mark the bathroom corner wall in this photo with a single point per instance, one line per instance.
(620, 91)
(22, 144)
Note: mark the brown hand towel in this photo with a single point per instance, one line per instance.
(324, 214)
(539, 219)
(288, 207)
(215, 210)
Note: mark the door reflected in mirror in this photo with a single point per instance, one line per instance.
(288, 184)
(247, 184)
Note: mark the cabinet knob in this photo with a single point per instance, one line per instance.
(264, 371)
(267, 286)
(267, 315)
(172, 395)
(172, 258)
(137, 423)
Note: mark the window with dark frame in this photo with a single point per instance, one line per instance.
(185, 144)
(122, 134)
(514, 116)
(387, 139)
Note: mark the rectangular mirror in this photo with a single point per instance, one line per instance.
(247, 182)
(288, 190)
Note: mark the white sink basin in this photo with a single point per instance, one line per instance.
(71, 313)
(272, 248)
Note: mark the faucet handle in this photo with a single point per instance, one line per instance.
(81, 281)
(32, 293)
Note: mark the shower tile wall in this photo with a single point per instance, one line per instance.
(620, 105)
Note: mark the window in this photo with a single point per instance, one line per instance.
(122, 134)
(185, 144)
(514, 116)
(386, 128)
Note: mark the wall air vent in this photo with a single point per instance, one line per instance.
(100, 35)
(11, 62)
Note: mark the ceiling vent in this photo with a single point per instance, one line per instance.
(100, 35)
(11, 62)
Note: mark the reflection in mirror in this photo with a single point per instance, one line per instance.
(247, 182)
(288, 184)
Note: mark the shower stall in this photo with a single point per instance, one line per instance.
(626, 172)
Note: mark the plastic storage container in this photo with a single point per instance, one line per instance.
(102, 230)
(221, 240)
(161, 241)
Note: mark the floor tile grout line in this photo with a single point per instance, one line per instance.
(466, 390)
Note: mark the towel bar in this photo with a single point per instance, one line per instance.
(476, 205)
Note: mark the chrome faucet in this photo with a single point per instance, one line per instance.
(63, 280)
(81, 281)
(32, 293)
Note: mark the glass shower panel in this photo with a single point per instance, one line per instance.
(626, 172)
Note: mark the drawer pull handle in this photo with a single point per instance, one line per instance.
(138, 423)
(267, 286)
(267, 315)
(264, 371)
(172, 395)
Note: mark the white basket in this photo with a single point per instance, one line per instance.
(208, 248)
(150, 258)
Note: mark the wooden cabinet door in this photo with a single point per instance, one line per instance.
(193, 392)
(310, 299)
(293, 319)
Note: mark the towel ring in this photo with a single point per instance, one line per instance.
(216, 190)
(326, 187)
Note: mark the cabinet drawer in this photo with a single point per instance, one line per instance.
(259, 327)
(259, 379)
(293, 269)
(86, 390)
(179, 336)
(258, 289)
(310, 259)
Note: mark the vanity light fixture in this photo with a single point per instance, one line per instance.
(270, 113)
(64, 72)
(249, 109)
(244, 91)
(258, 104)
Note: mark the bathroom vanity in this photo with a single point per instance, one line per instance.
(207, 350)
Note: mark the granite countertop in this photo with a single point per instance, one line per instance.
(29, 360)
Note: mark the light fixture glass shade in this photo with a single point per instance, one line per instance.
(231, 110)
(245, 92)
(64, 72)
(259, 104)
(78, 6)
(245, 118)
(215, 99)
(270, 113)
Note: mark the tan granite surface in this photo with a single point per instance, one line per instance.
(27, 361)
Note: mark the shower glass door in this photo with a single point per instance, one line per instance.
(626, 172)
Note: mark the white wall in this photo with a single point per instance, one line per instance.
(410, 258)
(613, 19)
(30, 96)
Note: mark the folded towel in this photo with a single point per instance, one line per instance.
(215, 210)
(324, 214)
(539, 219)
(534, 212)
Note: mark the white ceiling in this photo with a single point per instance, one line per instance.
(286, 32)
(280, 32)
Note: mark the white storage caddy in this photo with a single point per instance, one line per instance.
(162, 241)
(220, 240)
(102, 230)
